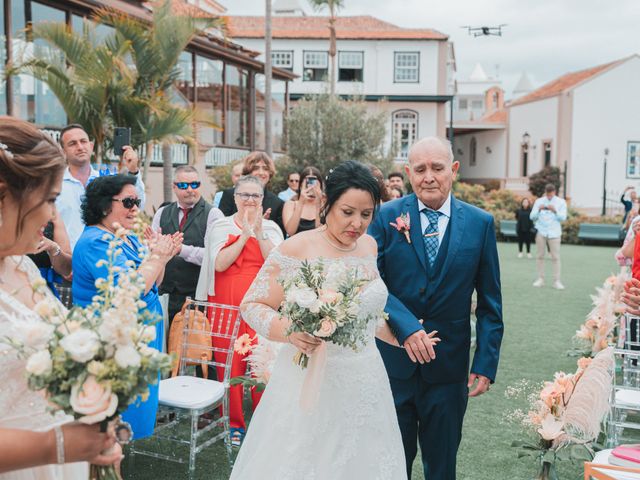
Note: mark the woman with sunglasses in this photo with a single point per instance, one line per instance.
(109, 203)
(235, 250)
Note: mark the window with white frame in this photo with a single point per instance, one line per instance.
(405, 130)
(315, 66)
(282, 59)
(406, 67)
(350, 66)
(463, 103)
(633, 159)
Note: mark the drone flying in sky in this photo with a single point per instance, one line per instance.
(485, 31)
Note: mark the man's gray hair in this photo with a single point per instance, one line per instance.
(248, 179)
(433, 141)
(185, 169)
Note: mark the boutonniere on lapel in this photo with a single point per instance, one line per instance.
(403, 225)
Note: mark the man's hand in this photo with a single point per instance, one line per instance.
(482, 386)
(419, 346)
(551, 208)
(130, 159)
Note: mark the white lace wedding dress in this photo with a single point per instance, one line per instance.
(351, 432)
(21, 407)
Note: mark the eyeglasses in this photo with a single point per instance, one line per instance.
(128, 202)
(249, 196)
(186, 185)
(294, 181)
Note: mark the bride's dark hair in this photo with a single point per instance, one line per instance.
(347, 175)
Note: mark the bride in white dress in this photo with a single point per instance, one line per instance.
(351, 432)
(31, 167)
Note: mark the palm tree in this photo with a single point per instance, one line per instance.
(155, 50)
(126, 79)
(85, 77)
(333, 6)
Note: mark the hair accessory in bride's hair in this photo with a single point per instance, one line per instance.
(328, 175)
(5, 148)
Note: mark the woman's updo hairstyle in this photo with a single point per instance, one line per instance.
(30, 161)
(347, 175)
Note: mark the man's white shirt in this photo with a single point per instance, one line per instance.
(70, 198)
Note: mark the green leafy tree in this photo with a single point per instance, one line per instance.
(125, 79)
(539, 180)
(333, 6)
(324, 131)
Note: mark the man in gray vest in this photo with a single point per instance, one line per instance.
(192, 216)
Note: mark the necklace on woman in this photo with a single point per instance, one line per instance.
(337, 247)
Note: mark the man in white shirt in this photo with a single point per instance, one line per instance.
(547, 213)
(78, 149)
(293, 183)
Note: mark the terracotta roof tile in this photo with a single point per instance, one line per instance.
(347, 28)
(497, 116)
(563, 83)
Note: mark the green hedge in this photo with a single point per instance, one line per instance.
(502, 204)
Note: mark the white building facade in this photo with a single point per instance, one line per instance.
(410, 69)
(578, 123)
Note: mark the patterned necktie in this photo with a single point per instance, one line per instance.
(431, 235)
(185, 215)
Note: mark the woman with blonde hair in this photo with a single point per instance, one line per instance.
(35, 444)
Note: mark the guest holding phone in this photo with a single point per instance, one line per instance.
(302, 212)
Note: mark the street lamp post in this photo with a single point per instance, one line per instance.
(604, 183)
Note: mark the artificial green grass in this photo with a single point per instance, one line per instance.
(539, 324)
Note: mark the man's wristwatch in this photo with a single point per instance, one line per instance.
(57, 252)
(134, 173)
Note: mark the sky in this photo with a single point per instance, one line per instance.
(544, 38)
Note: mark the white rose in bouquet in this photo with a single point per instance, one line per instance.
(306, 298)
(34, 334)
(39, 363)
(127, 356)
(93, 400)
(82, 345)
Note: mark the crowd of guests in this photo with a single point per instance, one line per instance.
(200, 249)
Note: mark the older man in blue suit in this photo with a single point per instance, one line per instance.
(431, 273)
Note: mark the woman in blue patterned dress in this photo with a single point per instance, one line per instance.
(111, 202)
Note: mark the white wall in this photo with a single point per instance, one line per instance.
(540, 120)
(378, 72)
(488, 165)
(606, 114)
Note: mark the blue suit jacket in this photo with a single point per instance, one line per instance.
(441, 295)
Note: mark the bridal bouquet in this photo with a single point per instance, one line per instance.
(93, 362)
(564, 415)
(324, 301)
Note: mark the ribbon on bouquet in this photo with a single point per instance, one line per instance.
(313, 378)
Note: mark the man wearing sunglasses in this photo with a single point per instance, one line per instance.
(78, 150)
(192, 216)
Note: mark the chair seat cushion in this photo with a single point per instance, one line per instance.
(189, 392)
(628, 397)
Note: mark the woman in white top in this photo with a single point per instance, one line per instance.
(32, 441)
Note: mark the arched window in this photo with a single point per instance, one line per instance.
(473, 146)
(405, 130)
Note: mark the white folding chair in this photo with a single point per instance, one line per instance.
(189, 396)
(625, 396)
